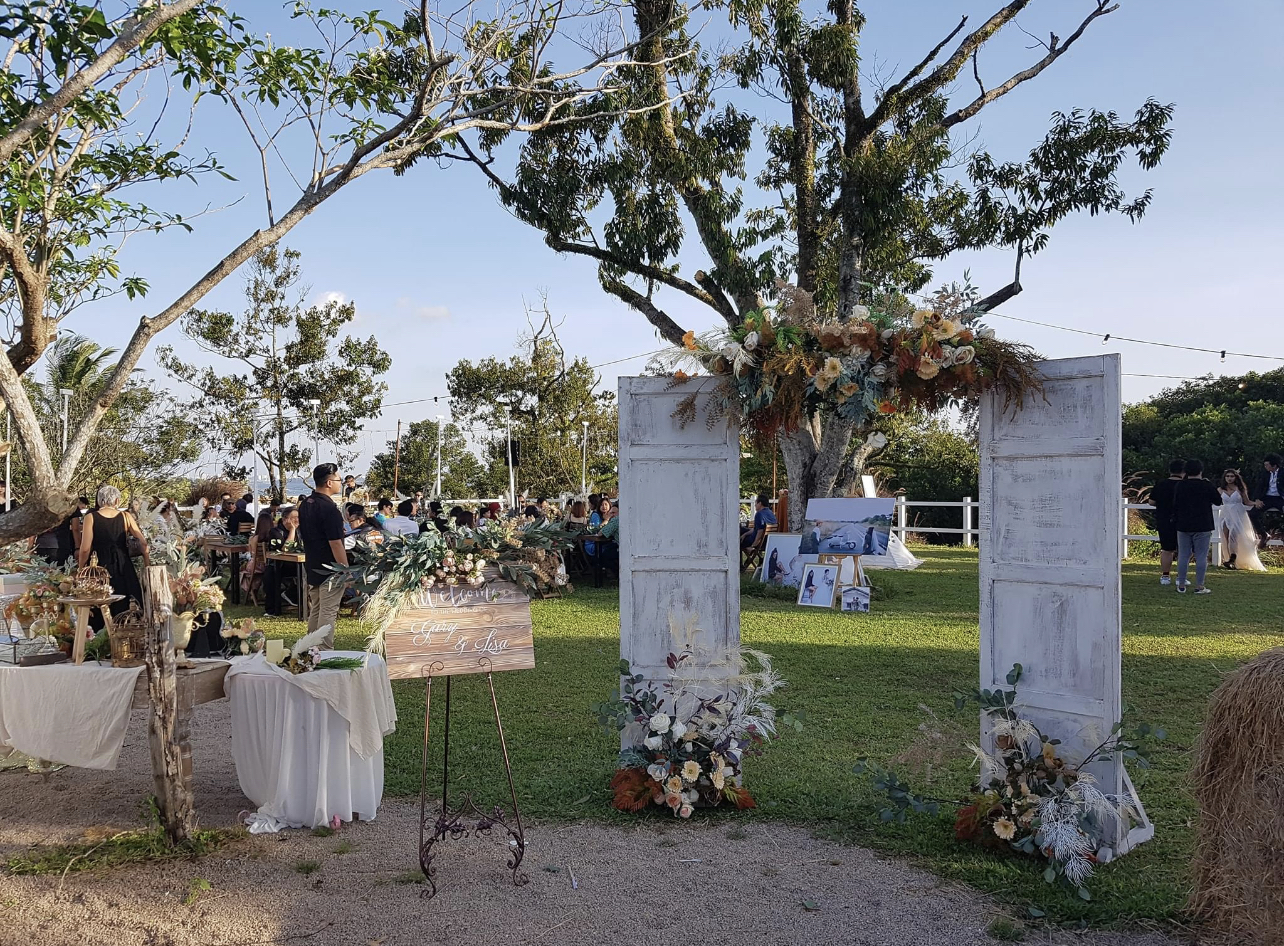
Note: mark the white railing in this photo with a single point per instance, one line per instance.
(970, 532)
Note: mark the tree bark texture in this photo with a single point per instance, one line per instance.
(171, 713)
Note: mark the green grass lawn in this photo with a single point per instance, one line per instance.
(859, 681)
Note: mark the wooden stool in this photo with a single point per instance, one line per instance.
(81, 607)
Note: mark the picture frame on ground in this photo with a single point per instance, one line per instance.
(856, 599)
(778, 560)
(816, 590)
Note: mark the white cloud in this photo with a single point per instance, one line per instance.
(426, 313)
(331, 296)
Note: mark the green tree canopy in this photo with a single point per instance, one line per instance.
(285, 357)
(462, 474)
(867, 186)
(549, 399)
(1227, 422)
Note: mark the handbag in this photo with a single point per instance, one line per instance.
(135, 545)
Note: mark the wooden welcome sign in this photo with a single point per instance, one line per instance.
(458, 629)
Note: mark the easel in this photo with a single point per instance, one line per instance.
(449, 821)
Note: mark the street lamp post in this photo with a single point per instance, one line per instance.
(66, 411)
(437, 490)
(512, 476)
(584, 463)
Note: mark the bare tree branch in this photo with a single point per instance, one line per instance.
(669, 330)
(1054, 52)
(884, 109)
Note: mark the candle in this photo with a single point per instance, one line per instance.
(275, 651)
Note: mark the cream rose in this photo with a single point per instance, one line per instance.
(963, 355)
(660, 722)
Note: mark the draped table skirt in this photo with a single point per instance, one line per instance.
(293, 752)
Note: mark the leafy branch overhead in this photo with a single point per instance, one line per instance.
(100, 104)
(869, 182)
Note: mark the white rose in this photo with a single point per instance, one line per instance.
(660, 722)
(751, 341)
(879, 372)
(888, 333)
(678, 731)
(730, 350)
(685, 811)
(986, 333)
(947, 356)
(860, 312)
(654, 742)
(963, 355)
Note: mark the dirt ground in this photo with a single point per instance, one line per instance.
(761, 884)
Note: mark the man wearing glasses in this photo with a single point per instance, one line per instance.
(321, 530)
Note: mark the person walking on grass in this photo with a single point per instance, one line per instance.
(1193, 502)
(1161, 497)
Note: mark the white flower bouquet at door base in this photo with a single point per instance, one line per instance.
(691, 743)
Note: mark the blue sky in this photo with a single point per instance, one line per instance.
(439, 271)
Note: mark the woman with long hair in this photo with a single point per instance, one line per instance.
(1239, 539)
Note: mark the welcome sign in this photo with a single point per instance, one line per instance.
(458, 629)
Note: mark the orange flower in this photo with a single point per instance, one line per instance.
(887, 407)
(688, 340)
(680, 375)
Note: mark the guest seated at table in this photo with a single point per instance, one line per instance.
(286, 530)
(462, 518)
(489, 511)
(403, 523)
(253, 573)
(577, 516)
(598, 519)
(241, 520)
(383, 512)
(278, 573)
(762, 517)
(359, 530)
(105, 534)
(533, 513)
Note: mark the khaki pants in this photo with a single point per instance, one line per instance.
(323, 608)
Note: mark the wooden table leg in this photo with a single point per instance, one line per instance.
(235, 564)
(80, 634)
(303, 592)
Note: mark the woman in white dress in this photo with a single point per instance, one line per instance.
(1239, 541)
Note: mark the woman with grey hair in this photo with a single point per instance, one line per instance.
(105, 533)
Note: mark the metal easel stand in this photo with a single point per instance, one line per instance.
(449, 821)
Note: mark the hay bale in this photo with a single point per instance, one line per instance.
(1239, 783)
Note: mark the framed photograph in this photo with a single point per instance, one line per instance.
(847, 526)
(778, 560)
(856, 599)
(816, 590)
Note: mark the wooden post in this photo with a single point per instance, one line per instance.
(171, 713)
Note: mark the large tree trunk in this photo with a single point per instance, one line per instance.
(814, 457)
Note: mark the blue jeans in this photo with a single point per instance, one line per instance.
(1196, 542)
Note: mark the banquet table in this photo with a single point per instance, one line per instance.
(213, 545)
(309, 747)
(76, 714)
(299, 561)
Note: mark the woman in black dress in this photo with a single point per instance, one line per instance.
(104, 532)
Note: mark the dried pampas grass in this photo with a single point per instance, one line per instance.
(1239, 783)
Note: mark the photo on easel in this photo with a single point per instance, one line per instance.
(856, 599)
(817, 587)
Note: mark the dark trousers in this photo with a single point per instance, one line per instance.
(1258, 516)
(272, 587)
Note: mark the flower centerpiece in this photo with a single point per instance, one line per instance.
(782, 365)
(688, 744)
(306, 655)
(1028, 798)
(193, 594)
(391, 573)
(244, 636)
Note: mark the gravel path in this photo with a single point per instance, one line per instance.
(760, 884)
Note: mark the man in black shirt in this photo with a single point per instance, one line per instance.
(242, 520)
(1193, 502)
(321, 529)
(1161, 497)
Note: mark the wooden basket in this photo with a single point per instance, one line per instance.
(128, 635)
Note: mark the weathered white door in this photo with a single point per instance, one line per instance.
(679, 526)
(1050, 551)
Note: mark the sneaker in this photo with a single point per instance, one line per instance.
(1181, 589)
(1203, 591)
(1165, 580)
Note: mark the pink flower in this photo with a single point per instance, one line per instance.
(335, 822)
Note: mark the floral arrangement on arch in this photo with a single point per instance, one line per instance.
(1028, 799)
(781, 366)
(392, 572)
(690, 744)
(244, 636)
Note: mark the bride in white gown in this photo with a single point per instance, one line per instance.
(1239, 540)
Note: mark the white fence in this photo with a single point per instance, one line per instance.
(970, 533)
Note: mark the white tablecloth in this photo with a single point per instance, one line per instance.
(65, 713)
(309, 747)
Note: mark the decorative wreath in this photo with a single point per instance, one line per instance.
(781, 366)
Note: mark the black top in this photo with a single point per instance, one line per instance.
(320, 522)
(1264, 484)
(1193, 504)
(1161, 497)
(235, 519)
